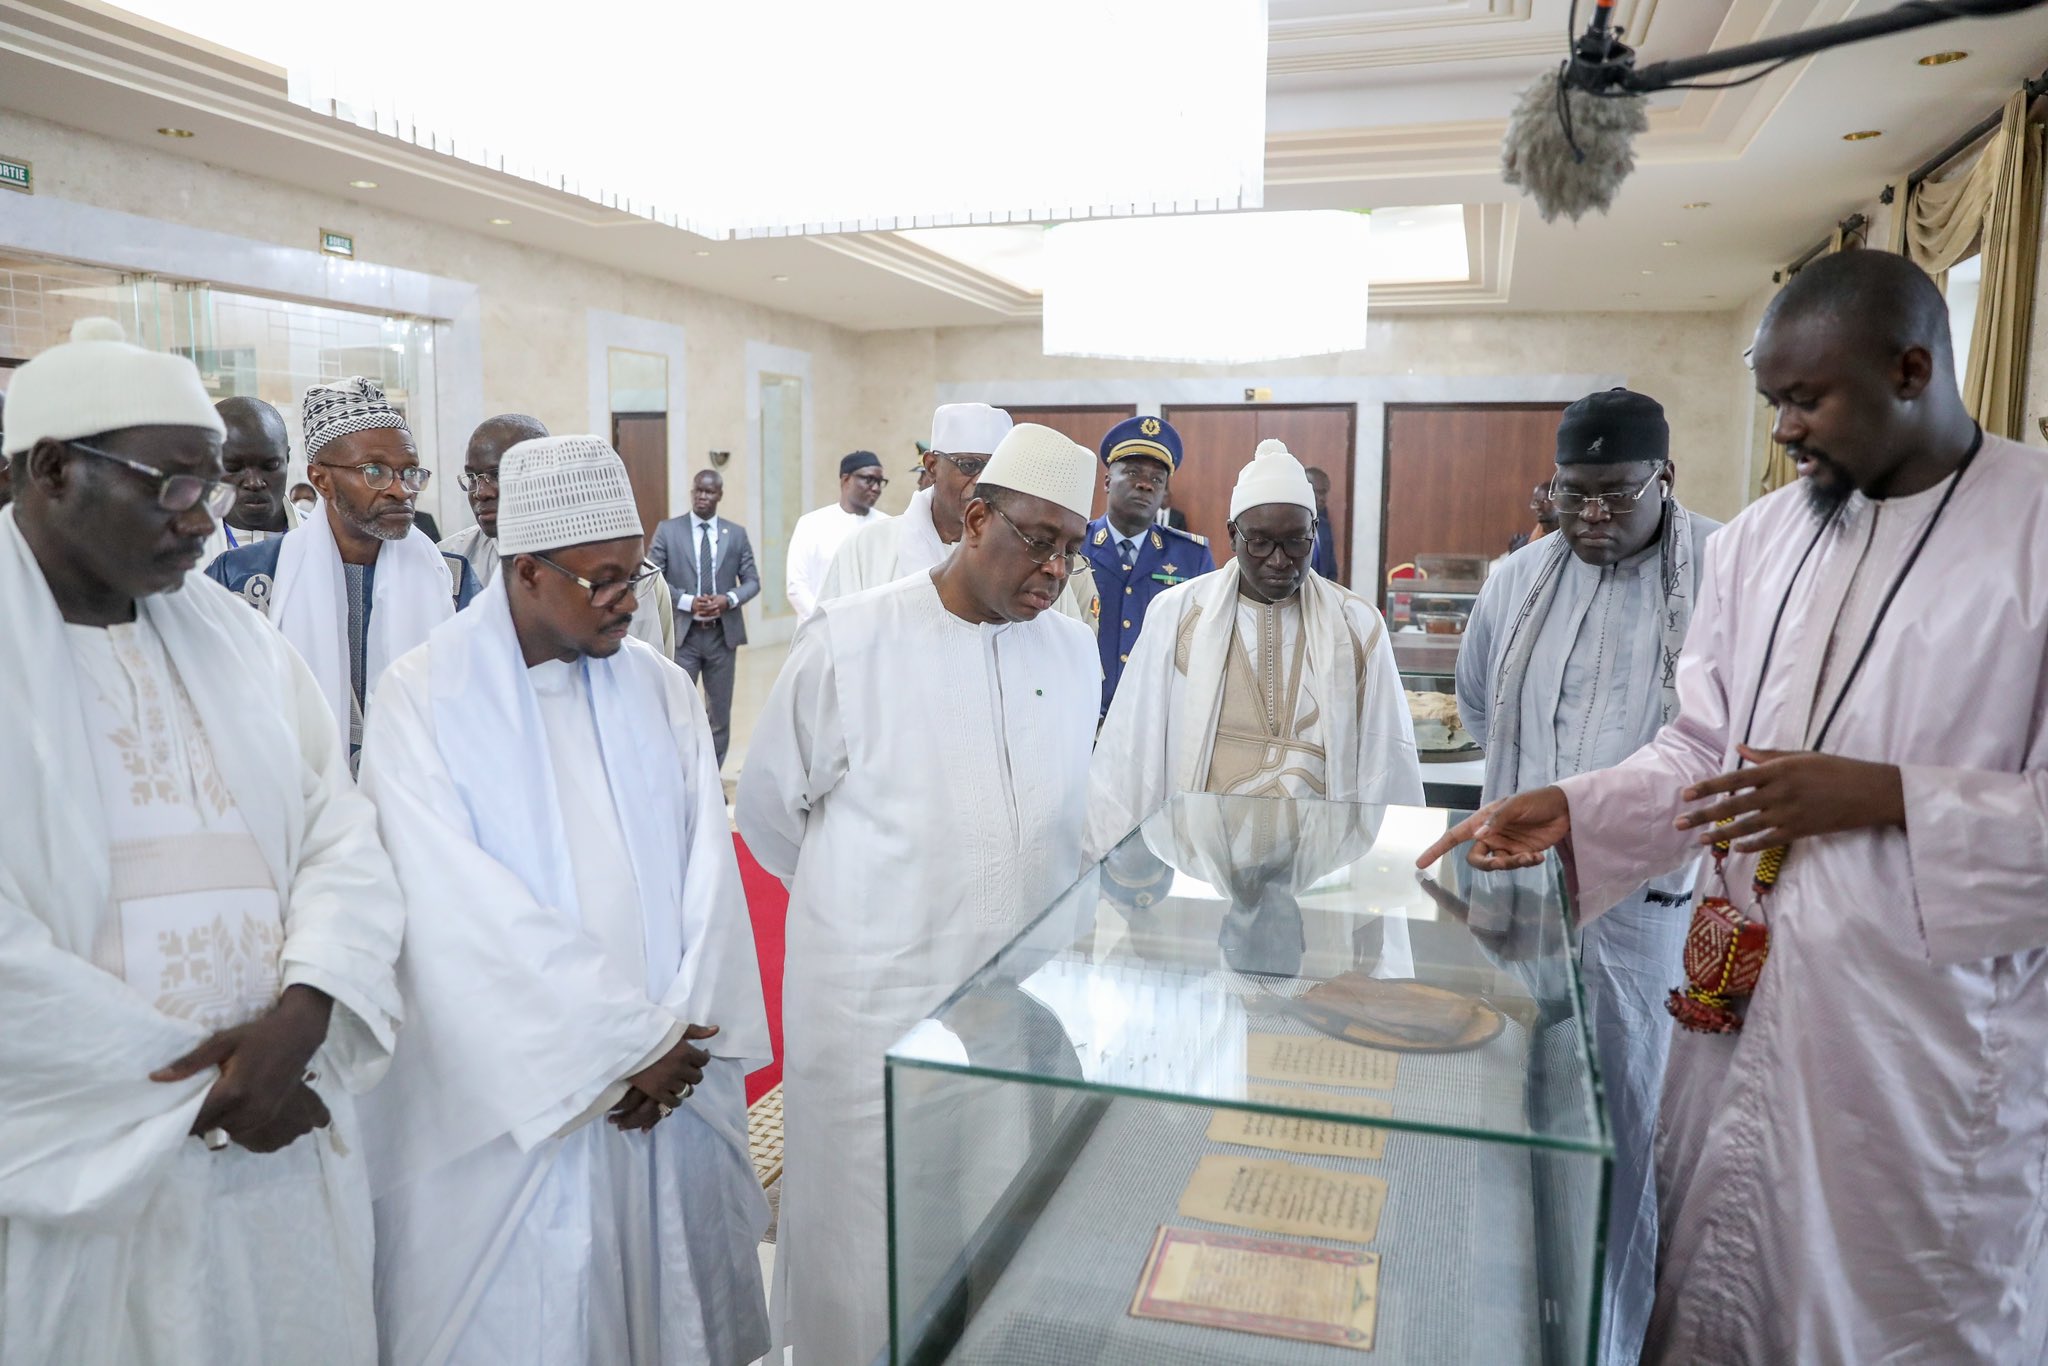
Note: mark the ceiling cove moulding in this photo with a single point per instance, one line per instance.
(1313, 47)
(1489, 245)
(929, 268)
(1706, 125)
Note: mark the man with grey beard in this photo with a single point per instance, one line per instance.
(357, 587)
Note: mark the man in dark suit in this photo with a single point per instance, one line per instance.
(1324, 558)
(709, 565)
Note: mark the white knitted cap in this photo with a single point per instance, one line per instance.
(559, 491)
(1039, 461)
(968, 428)
(1274, 476)
(97, 382)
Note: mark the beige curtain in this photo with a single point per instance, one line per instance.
(1777, 470)
(1994, 205)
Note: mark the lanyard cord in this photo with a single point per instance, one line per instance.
(1870, 637)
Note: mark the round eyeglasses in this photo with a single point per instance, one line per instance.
(379, 477)
(969, 465)
(1259, 547)
(174, 492)
(1612, 504)
(1044, 552)
(606, 595)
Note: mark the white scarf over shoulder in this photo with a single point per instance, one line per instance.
(409, 596)
(516, 1017)
(1161, 729)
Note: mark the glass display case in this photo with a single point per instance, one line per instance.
(1253, 1090)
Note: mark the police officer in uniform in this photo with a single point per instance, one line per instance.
(1135, 558)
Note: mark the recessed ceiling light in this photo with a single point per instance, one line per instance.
(1671, 241)
(175, 132)
(501, 222)
(779, 279)
(1863, 135)
(1942, 58)
(1698, 204)
(1649, 272)
(702, 252)
(362, 184)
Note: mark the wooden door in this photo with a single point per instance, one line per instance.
(1086, 425)
(1217, 441)
(1459, 476)
(641, 439)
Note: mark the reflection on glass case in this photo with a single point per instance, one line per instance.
(1253, 1091)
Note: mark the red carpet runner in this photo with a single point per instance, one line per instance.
(768, 904)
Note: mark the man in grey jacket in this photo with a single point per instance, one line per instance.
(709, 565)
(1568, 665)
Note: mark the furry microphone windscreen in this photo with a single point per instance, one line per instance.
(1569, 149)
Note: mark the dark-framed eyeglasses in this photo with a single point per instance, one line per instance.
(379, 476)
(1043, 552)
(969, 465)
(469, 479)
(873, 481)
(606, 595)
(174, 492)
(1259, 547)
(1613, 504)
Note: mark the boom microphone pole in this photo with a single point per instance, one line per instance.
(1570, 141)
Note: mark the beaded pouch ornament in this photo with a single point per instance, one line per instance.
(1724, 950)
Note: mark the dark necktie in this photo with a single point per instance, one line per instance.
(1127, 550)
(705, 574)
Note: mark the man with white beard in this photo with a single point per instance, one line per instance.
(358, 587)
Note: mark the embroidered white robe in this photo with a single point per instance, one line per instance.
(205, 850)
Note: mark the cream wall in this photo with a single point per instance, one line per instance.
(535, 344)
(532, 306)
(1688, 361)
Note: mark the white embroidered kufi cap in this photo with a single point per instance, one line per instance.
(968, 428)
(1274, 476)
(559, 491)
(1039, 461)
(97, 382)
(355, 404)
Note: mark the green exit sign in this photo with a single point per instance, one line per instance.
(337, 243)
(17, 175)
